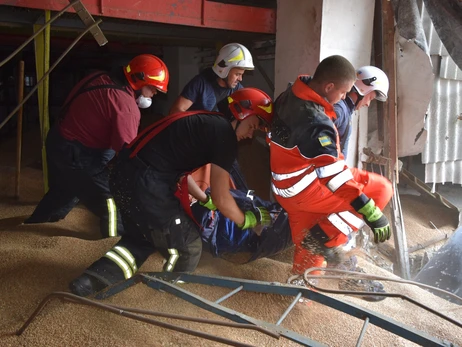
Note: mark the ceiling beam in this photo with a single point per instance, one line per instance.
(197, 13)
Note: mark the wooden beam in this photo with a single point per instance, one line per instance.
(389, 66)
(199, 13)
(390, 149)
(378, 59)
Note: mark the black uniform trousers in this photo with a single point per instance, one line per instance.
(76, 172)
(153, 220)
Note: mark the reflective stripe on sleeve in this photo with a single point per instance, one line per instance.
(331, 169)
(112, 217)
(296, 188)
(171, 260)
(340, 179)
(351, 219)
(337, 222)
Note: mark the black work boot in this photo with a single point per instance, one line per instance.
(88, 283)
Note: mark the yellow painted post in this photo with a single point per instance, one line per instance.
(42, 63)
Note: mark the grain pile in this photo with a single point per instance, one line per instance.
(40, 259)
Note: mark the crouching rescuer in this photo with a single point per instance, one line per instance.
(150, 184)
(326, 201)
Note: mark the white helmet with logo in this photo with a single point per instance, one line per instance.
(370, 78)
(230, 56)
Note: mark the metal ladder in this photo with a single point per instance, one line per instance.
(169, 282)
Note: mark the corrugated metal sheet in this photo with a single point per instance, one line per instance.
(442, 154)
(449, 69)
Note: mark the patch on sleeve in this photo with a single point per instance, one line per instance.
(324, 141)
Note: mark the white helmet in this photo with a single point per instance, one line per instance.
(370, 78)
(230, 56)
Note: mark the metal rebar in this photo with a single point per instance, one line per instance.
(359, 275)
(363, 332)
(48, 72)
(112, 309)
(200, 320)
(3, 62)
(392, 295)
(291, 306)
(223, 298)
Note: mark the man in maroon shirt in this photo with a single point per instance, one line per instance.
(99, 116)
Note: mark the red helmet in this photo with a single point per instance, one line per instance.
(147, 70)
(248, 102)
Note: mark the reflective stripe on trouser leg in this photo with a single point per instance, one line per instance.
(340, 224)
(339, 180)
(174, 255)
(124, 260)
(351, 219)
(112, 217)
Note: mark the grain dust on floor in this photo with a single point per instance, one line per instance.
(40, 259)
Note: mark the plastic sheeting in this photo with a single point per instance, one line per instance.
(443, 269)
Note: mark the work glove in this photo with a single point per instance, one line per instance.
(253, 218)
(376, 220)
(208, 204)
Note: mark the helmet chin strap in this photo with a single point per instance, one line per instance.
(237, 125)
(358, 100)
(358, 97)
(226, 82)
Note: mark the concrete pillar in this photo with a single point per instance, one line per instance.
(182, 66)
(298, 40)
(309, 31)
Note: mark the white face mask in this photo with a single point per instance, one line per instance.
(143, 102)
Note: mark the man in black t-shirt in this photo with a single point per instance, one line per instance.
(150, 183)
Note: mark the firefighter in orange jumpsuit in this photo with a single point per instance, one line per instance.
(325, 199)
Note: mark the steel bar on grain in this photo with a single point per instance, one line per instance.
(48, 72)
(360, 275)
(230, 294)
(428, 243)
(200, 320)
(3, 62)
(291, 306)
(84, 301)
(363, 332)
(354, 275)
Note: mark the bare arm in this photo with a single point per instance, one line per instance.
(195, 190)
(181, 104)
(222, 198)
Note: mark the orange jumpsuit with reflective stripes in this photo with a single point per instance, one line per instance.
(310, 179)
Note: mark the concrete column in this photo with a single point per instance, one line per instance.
(182, 66)
(347, 30)
(309, 31)
(298, 40)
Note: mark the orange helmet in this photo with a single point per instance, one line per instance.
(147, 70)
(248, 102)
